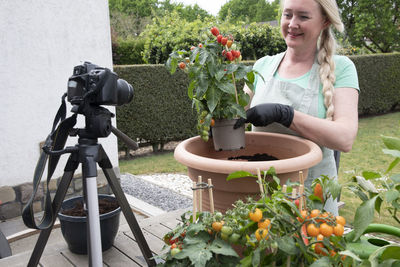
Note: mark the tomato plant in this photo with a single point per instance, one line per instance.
(272, 224)
(214, 69)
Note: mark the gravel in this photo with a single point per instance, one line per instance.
(166, 191)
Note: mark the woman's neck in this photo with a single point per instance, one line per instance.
(296, 64)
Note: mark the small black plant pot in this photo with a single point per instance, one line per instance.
(74, 230)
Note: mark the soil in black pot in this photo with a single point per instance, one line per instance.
(255, 157)
(105, 206)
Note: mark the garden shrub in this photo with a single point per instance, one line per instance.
(160, 110)
(128, 51)
(379, 76)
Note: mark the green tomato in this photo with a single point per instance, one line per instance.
(205, 138)
(227, 230)
(224, 236)
(175, 251)
(234, 238)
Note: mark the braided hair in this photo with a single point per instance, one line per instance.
(326, 50)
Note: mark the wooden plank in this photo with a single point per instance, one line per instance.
(114, 257)
(156, 244)
(55, 260)
(157, 229)
(76, 259)
(130, 248)
(172, 224)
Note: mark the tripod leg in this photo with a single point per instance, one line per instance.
(93, 222)
(56, 205)
(130, 217)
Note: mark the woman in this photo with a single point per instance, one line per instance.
(306, 90)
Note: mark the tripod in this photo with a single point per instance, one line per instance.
(89, 152)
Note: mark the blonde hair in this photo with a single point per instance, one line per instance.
(326, 50)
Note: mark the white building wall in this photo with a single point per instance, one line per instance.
(40, 43)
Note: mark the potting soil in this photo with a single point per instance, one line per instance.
(105, 206)
(255, 157)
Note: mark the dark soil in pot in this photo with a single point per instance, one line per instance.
(255, 157)
(73, 227)
(105, 205)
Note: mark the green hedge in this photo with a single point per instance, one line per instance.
(379, 78)
(161, 110)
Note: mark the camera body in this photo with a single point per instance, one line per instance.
(98, 86)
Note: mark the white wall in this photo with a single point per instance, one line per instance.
(40, 43)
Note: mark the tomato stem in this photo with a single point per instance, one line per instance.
(234, 84)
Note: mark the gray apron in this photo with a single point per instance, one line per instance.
(301, 99)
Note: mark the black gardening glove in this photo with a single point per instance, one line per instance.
(264, 114)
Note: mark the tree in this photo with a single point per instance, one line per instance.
(373, 24)
(249, 10)
(189, 13)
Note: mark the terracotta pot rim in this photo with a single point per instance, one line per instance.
(305, 161)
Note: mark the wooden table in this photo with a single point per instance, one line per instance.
(125, 251)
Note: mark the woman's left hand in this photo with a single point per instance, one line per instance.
(264, 114)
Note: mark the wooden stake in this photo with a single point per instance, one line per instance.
(301, 192)
(301, 189)
(210, 195)
(199, 180)
(294, 193)
(284, 189)
(194, 202)
(260, 181)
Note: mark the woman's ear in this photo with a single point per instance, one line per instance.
(327, 23)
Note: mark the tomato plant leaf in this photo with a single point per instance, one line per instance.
(322, 262)
(255, 261)
(391, 195)
(202, 85)
(391, 252)
(231, 68)
(363, 217)
(395, 178)
(212, 97)
(221, 247)
(392, 152)
(226, 87)
(288, 245)
(200, 238)
(239, 110)
(368, 175)
(393, 164)
(239, 174)
(203, 56)
(191, 88)
(390, 142)
(195, 228)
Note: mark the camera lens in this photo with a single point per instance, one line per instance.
(124, 91)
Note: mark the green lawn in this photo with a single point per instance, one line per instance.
(365, 155)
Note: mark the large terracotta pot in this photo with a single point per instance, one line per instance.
(294, 153)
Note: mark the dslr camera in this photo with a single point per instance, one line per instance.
(97, 86)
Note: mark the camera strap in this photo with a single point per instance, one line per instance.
(56, 140)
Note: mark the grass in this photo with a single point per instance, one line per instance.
(158, 163)
(365, 155)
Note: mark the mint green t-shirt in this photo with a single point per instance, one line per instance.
(345, 72)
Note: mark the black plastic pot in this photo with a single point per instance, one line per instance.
(74, 229)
